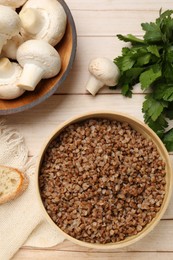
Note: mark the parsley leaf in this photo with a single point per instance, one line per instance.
(128, 79)
(130, 38)
(168, 140)
(165, 22)
(154, 49)
(169, 111)
(168, 72)
(150, 75)
(168, 94)
(143, 60)
(126, 90)
(153, 32)
(149, 61)
(153, 107)
(124, 63)
(158, 126)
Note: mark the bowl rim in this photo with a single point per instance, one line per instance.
(64, 76)
(140, 125)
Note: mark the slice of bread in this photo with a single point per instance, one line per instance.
(12, 183)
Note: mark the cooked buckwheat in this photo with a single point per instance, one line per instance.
(102, 181)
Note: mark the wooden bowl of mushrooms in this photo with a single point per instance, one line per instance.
(104, 180)
(37, 48)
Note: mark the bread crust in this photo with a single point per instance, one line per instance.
(21, 187)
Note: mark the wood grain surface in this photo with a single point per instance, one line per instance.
(97, 23)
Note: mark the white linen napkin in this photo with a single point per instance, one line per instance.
(21, 220)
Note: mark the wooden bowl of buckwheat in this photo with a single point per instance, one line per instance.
(104, 180)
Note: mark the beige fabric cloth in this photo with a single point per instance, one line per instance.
(21, 221)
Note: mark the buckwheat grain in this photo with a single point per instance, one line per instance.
(102, 181)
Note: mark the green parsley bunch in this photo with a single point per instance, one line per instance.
(150, 61)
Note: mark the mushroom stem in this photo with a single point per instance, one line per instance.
(31, 76)
(93, 85)
(6, 68)
(32, 20)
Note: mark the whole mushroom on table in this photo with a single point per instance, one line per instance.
(102, 72)
(29, 43)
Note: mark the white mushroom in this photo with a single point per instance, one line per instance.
(103, 72)
(9, 24)
(9, 75)
(10, 48)
(44, 19)
(39, 60)
(12, 3)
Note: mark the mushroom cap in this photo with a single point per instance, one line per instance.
(42, 54)
(8, 86)
(13, 3)
(10, 48)
(104, 70)
(9, 21)
(55, 20)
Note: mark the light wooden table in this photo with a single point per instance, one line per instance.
(97, 22)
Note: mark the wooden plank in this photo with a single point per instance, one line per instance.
(110, 23)
(37, 123)
(59, 255)
(160, 239)
(119, 5)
